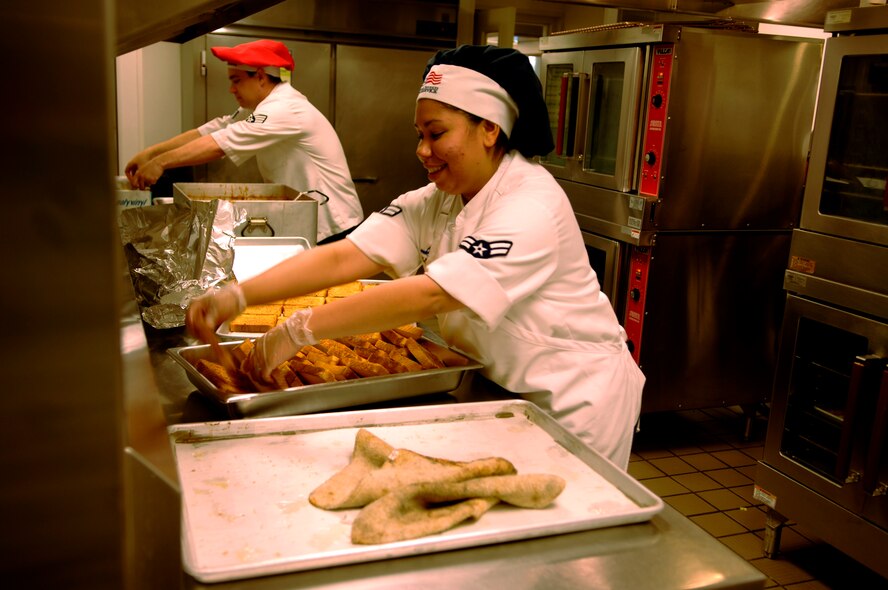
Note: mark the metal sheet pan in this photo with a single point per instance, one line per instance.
(245, 485)
(322, 396)
(224, 331)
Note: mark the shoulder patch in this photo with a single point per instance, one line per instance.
(484, 249)
(254, 118)
(392, 210)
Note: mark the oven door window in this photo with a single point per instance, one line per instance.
(561, 87)
(825, 402)
(606, 257)
(611, 116)
(854, 184)
(605, 104)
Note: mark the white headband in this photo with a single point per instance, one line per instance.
(270, 70)
(472, 92)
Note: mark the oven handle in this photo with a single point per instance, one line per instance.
(582, 113)
(877, 441)
(562, 114)
(846, 439)
(572, 114)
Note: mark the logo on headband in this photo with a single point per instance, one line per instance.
(430, 86)
(485, 249)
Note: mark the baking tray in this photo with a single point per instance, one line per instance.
(224, 331)
(321, 397)
(245, 485)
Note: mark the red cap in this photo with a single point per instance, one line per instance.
(257, 54)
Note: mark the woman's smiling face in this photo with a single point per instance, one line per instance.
(457, 152)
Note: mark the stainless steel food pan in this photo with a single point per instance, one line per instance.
(321, 397)
(273, 210)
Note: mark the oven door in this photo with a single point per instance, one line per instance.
(594, 99)
(824, 410)
(846, 193)
(607, 258)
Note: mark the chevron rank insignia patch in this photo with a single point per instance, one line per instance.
(484, 249)
(391, 210)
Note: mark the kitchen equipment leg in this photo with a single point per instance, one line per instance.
(773, 528)
(749, 411)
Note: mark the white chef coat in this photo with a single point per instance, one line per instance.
(535, 315)
(294, 145)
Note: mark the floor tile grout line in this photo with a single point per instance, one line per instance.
(711, 435)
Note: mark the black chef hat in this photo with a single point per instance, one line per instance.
(510, 69)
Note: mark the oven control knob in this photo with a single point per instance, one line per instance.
(650, 158)
(634, 294)
(657, 100)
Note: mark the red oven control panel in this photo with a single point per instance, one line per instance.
(639, 268)
(655, 131)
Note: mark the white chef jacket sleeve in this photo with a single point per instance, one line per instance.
(270, 124)
(508, 256)
(390, 237)
(219, 123)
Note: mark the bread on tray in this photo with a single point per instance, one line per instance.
(340, 359)
(258, 319)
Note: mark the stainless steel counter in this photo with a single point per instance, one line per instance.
(667, 552)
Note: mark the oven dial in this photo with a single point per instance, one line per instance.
(657, 100)
(634, 294)
(650, 158)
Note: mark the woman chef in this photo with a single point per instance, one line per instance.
(504, 266)
(292, 141)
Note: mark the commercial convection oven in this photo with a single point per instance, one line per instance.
(825, 462)
(682, 150)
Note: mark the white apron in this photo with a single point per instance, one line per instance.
(535, 315)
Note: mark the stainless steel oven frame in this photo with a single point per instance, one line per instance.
(608, 258)
(842, 498)
(708, 194)
(836, 50)
(714, 125)
(825, 460)
(578, 127)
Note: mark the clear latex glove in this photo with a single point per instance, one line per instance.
(281, 343)
(207, 312)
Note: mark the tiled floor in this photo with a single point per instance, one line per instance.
(698, 462)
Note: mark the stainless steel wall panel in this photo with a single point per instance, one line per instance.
(375, 103)
(740, 117)
(711, 319)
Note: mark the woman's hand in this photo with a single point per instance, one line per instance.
(280, 344)
(207, 312)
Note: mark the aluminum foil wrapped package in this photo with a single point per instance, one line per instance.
(177, 252)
